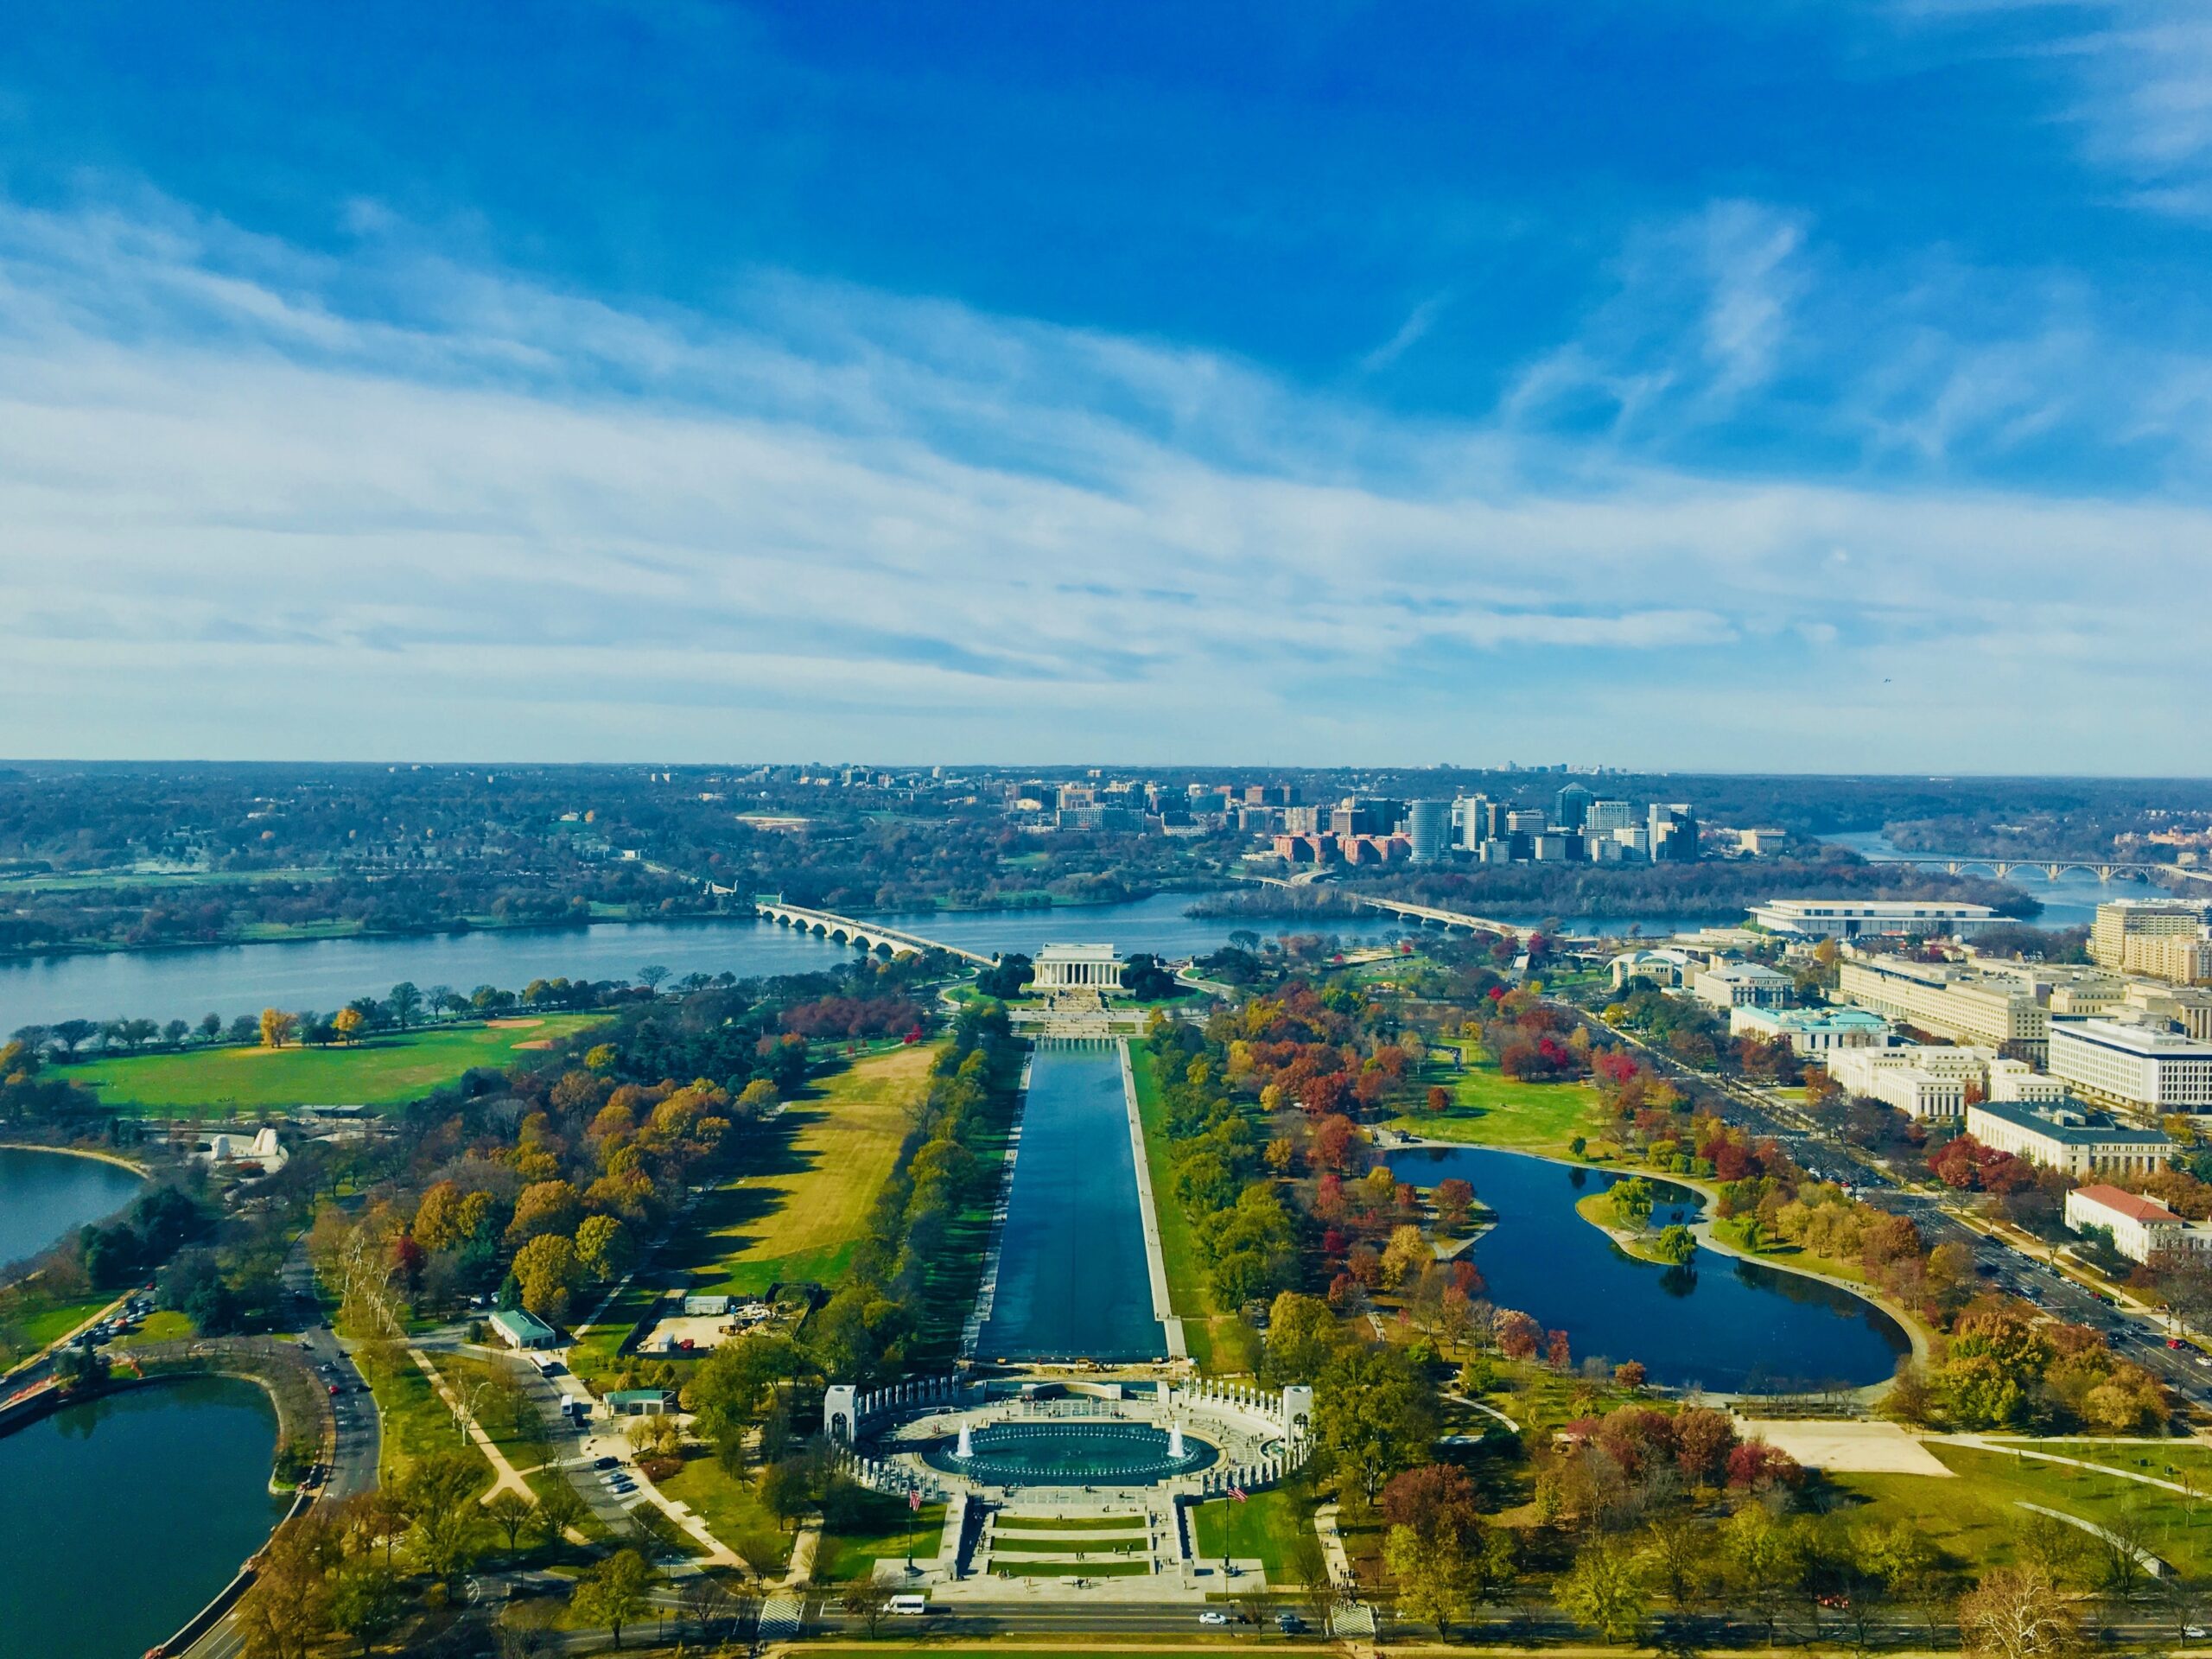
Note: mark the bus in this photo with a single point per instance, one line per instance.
(916, 1605)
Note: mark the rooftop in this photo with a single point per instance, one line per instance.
(2150, 1041)
(2073, 1127)
(521, 1323)
(2133, 1206)
(1900, 909)
(1076, 953)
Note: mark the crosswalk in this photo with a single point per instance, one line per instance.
(780, 1615)
(1352, 1619)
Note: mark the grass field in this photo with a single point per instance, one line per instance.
(1264, 1526)
(1975, 1519)
(52, 1324)
(1005, 1525)
(886, 1531)
(1221, 1343)
(1492, 1110)
(387, 1070)
(801, 1207)
(731, 1511)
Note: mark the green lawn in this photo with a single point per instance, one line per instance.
(1492, 1110)
(1975, 1519)
(886, 1530)
(731, 1511)
(1264, 1526)
(804, 1201)
(388, 1070)
(1221, 1343)
(1012, 1523)
(52, 1324)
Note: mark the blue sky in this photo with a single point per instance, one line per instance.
(1787, 385)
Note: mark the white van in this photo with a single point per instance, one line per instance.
(917, 1606)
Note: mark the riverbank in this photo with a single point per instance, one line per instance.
(144, 1171)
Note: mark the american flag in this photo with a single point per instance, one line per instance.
(1236, 1492)
(914, 1500)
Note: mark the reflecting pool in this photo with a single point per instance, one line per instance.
(1070, 1454)
(1718, 1323)
(1073, 1282)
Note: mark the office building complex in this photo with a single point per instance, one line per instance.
(2063, 1138)
(2147, 1069)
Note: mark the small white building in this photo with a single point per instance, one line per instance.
(2141, 1228)
(1077, 967)
(1664, 968)
(1743, 985)
(521, 1329)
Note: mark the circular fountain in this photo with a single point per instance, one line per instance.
(1071, 1451)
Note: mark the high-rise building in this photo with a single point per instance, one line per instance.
(2125, 923)
(1674, 833)
(1606, 816)
(1571, 806)
(1428, 826)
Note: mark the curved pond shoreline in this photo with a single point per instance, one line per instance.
(1571, 1289)
(47, 1193)
(124, 1468)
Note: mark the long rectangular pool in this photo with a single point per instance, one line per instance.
(1073, 1282)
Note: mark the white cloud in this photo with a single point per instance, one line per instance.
(258, 505)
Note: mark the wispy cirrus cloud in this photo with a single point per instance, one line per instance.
(262, 501)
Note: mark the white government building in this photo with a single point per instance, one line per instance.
(1846, 919)
(1077, 968)
(2143, 1069)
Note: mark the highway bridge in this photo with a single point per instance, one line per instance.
(868, 936)
(1431, 915)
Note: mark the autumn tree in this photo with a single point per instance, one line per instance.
(277, 1027)
(2017, 1612)
(546, 1269)
(1604, 1590)
(612, 1592)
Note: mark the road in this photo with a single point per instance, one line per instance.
(359, 1450)
(2140, 1338)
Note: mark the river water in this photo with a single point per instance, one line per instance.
(1072, 1279)
(326, 974)
(44, 1195)
(2071, 901)
(125, 1515)
(1718, 1323)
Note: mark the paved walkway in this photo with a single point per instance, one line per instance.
(510, 1479)
(1982, 1442)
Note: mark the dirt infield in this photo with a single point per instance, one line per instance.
(1850, 1448)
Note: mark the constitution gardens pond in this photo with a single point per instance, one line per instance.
(124, 1516)
(1718, 1323)
(46, 1195)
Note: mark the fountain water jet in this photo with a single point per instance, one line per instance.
(966, 1450)
(1175, 1443)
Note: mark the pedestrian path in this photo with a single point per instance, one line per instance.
(510, 1479)
(1983, 1443)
